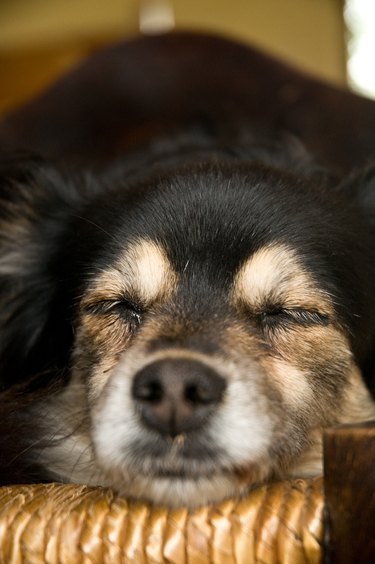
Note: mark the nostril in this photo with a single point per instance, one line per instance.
(149, 391)
(201, 393)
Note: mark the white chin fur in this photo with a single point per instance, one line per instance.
(179, 492)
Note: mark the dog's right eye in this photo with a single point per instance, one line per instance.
(123, 308)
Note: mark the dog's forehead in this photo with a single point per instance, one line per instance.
(214, 231)
(218, 213)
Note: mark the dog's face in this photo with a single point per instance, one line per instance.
(219, 323)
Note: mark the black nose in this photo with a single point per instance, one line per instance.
(177, 395)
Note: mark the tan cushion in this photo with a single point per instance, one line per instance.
(56, 523)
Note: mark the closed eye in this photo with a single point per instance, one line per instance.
(275, 317)
(121, 307)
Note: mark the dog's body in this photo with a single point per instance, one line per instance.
(182, 327)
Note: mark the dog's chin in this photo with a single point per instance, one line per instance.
(181, 484)
(178, 490)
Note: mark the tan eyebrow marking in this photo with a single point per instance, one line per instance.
(143, 271)
(275, 274)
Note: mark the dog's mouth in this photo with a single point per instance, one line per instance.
(181, 457)
(180, 475)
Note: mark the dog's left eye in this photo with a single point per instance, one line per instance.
(283, 316)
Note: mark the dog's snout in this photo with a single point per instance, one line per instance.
(177, 395)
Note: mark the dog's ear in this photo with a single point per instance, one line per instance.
(35, 201)
(359, 187)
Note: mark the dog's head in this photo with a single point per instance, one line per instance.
(211, 320)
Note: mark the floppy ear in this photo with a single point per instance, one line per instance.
(34, 207)
(360, 188)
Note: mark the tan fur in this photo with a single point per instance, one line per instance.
(292, 383)
(143, 273)
(357, 406)
(274, 273)
(105, 337)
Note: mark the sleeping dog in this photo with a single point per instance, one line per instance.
(183, 324)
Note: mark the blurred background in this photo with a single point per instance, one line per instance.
(40, 39)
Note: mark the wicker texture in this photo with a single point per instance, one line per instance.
(68, 524)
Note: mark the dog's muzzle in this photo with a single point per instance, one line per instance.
(177, 396)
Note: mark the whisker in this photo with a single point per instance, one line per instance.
(99, 227)
(25, 450)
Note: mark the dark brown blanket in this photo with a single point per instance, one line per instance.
(133, 91)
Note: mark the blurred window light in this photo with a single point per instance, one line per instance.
(360, 22)
(155, 16)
